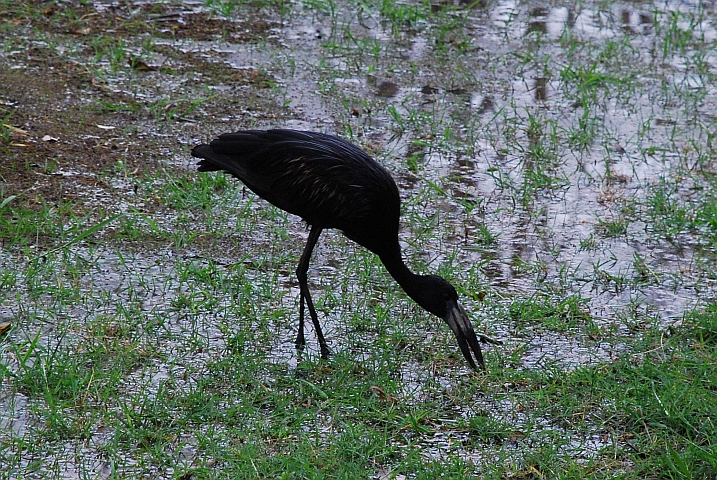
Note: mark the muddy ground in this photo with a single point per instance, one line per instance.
(72, 118)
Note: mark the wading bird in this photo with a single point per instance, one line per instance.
(331, 183)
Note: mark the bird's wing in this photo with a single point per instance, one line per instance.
(319, 177)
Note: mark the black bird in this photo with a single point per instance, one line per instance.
(331, 183)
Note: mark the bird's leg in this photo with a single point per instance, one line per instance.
(305, 296)
(300, 339)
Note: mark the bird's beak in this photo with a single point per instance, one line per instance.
(458, 320)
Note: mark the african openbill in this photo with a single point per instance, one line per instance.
(331, 183)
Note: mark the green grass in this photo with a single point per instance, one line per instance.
(553, 315)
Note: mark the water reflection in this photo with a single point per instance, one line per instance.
(555, 21)
(481, 103)
(538, 24)
(636, 22)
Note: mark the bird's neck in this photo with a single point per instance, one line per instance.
(409, 281)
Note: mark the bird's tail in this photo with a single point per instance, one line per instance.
(212, 161)
(231, 151)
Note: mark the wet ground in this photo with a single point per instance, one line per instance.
(530, 143)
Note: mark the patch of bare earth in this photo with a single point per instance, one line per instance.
(69, 118)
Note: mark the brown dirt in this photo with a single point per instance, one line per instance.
(69, 117)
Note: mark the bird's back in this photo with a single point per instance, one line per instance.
(325, 180)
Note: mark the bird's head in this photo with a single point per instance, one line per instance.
(441, 299)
